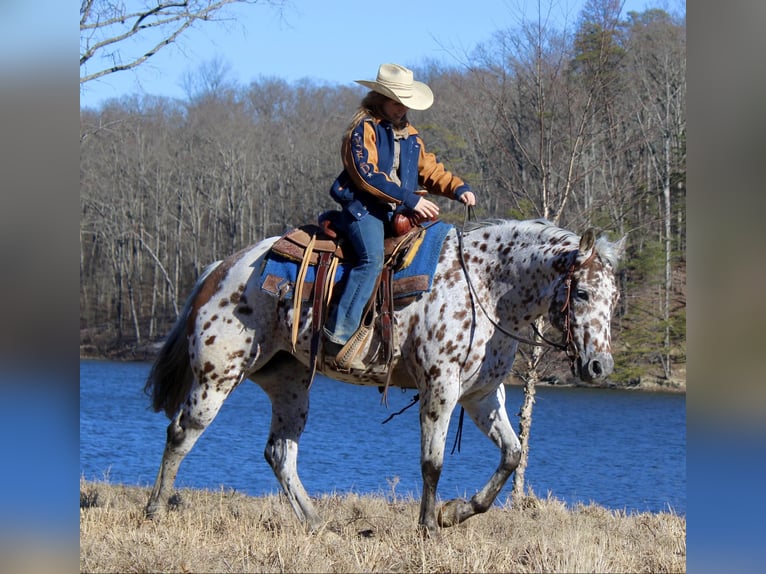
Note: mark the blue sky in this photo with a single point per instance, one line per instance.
(332, 42)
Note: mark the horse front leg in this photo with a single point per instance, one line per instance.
(436, 408)
(490, 416)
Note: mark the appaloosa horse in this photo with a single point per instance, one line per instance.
(457, 346)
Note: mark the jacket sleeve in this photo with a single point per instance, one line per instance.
(360, 158)
(434, 177)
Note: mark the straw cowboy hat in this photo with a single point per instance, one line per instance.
(396, 82)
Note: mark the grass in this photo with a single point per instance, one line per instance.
(226, 531)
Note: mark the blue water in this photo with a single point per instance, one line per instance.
(622, 450)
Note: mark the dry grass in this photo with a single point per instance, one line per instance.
(220, 531)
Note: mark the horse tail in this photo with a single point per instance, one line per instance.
(170, 378)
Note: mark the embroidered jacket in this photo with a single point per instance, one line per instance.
(368, 156)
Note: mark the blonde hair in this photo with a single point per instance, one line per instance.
(372, 105)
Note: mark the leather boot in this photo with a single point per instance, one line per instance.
(350, 356)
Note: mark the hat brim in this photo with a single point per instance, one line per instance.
(421, 97)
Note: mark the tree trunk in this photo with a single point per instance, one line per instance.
(668, 257)
(133, 313)
(525, 428)
(531, 378)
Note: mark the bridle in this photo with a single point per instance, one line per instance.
(567, 345)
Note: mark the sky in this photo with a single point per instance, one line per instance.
(329, 42)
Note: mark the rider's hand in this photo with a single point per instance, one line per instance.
(426, 209)
(468, 198)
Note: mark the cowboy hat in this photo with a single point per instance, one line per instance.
(396, 82)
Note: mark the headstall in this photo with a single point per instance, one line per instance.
(567, 345)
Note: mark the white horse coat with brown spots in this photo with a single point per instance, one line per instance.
(452, 342)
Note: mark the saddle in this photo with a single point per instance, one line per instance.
(322, 245)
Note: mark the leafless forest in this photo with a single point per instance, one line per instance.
(583, 128)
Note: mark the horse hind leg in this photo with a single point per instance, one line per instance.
(196, 414)
(177, 446)
(285, 381)
(490, 416)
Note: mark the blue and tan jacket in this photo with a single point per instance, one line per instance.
(368, 156)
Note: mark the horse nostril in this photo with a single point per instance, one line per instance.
(596, 368)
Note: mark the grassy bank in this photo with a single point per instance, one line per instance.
(220, 531)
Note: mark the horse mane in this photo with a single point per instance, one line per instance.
(525, 226)
(610, 252)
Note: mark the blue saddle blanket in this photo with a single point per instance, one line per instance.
(279, 273)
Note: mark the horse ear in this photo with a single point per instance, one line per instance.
(587, 241)
(619, 247)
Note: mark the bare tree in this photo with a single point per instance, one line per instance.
(117, 36)
(659, 59)
(553, 91)
(541, 123)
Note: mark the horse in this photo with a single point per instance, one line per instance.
(457, 344)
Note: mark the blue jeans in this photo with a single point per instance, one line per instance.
(366, 237)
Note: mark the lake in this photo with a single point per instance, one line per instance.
(620, 449)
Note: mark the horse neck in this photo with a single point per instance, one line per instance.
(523, 267)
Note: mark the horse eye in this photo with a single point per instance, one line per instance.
(582, 294)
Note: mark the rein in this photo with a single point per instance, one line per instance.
(567, 346)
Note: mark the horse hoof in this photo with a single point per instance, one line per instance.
(453, 512)
(429, 532)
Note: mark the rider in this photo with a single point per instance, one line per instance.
(385, 166)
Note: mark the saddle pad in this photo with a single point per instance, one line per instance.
(279, 273)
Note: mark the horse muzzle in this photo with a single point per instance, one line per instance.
(596, 368)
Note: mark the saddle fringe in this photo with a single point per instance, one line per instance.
(299, 290)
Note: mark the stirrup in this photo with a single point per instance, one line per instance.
(349, 357)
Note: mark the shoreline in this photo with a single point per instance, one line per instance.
(676, 385)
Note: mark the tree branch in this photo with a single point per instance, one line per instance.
(104, 25)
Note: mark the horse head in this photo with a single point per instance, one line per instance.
(583, 302)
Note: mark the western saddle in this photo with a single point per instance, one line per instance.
(322, 245)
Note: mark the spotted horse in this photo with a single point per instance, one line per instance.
(457, 346)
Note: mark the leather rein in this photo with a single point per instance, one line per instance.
(567, 346)
(568, 338)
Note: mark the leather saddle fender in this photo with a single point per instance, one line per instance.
(323, 246)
